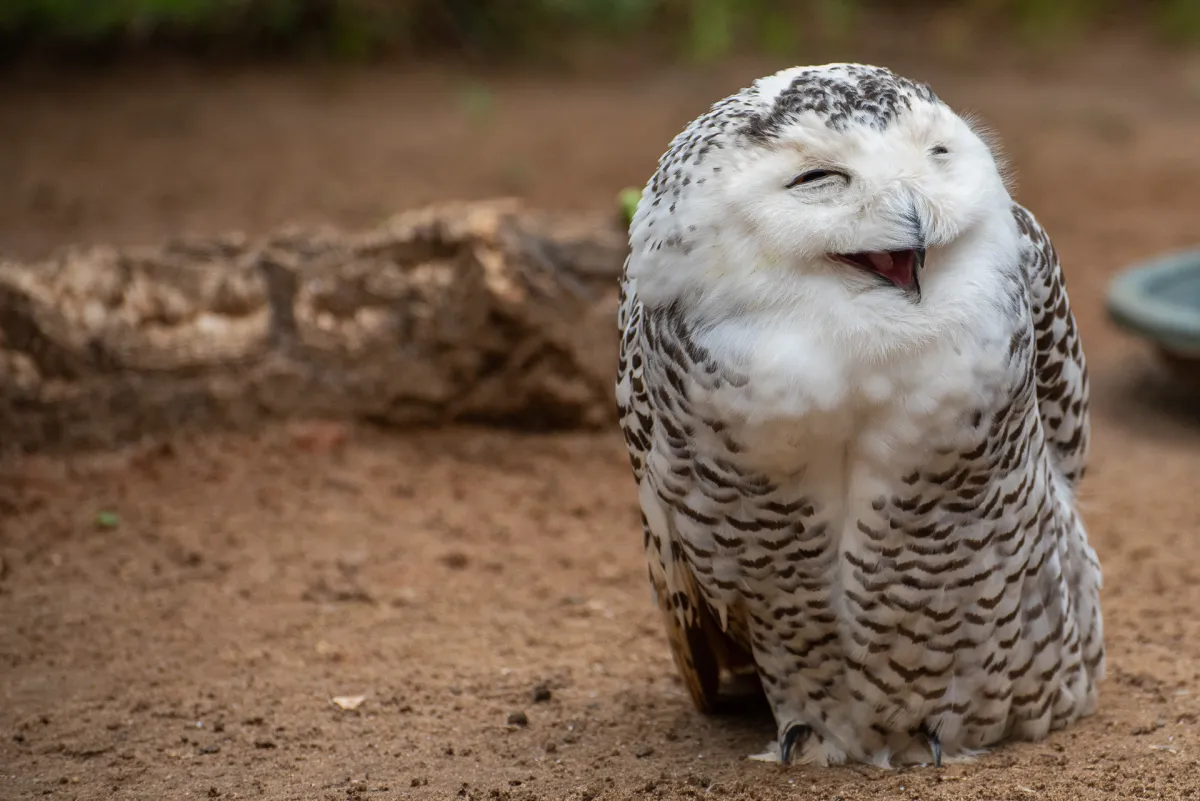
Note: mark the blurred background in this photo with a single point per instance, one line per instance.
(132, 120)
(697, 29)
(463, 612)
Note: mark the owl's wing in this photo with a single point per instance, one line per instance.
(1062, 378)
(703, 653)
(1062, 394)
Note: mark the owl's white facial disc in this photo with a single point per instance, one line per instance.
(845, 175)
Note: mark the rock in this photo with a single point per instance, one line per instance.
(471, 311)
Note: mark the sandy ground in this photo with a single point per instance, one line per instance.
(483, 591)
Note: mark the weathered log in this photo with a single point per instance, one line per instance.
(466, 312)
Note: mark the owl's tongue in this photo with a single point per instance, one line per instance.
(899, 267)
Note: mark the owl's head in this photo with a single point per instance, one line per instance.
(844, 175)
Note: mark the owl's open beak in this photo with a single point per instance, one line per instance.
(901, 268)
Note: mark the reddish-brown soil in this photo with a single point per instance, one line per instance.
(483, 590)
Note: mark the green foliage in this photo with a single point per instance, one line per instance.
(837, 18)
(698, 29)
(89, 20)
(628, 201)
(1043, 22)
(608, 16)
(1180, 19)
(711, 32)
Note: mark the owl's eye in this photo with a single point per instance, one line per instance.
(939, 150)
(812, 176)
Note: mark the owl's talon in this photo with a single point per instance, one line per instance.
(794, 735)
(935, 744)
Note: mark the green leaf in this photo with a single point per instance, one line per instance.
(107, 520)
(628, 200)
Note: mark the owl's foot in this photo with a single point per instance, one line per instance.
(794, 735)
(935, 744)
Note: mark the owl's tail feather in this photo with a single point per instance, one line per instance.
(720, 675)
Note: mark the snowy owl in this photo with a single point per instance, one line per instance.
(856, 407)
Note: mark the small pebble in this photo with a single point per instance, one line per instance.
(518, 719)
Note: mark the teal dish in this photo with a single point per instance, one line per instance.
(1160, 301)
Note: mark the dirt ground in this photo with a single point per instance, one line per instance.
(176, 619)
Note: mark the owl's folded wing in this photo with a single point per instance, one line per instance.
(1062, 378)
(702, 651)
